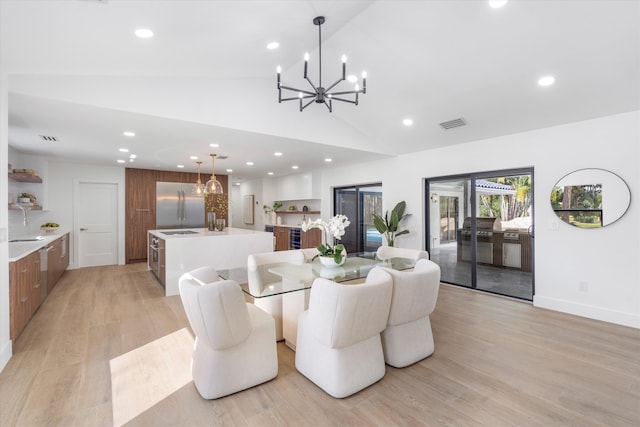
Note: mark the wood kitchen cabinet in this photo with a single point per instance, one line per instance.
(294, 238)
(311, 238)
(25, 284)
(282, 238)
(140, 211)
(24, 291)
(57, 260)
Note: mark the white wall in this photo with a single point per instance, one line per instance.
(5, 342)
(606, 259)
(238, 192)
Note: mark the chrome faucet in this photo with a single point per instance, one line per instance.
(25, 219)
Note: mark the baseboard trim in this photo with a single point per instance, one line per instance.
(592, 312)
(5, 354)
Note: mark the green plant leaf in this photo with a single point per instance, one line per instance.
(393, 224)
(337, 256)
(399, 209)
(379, 223)
(400, 233)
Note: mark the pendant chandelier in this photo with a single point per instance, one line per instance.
(320, 94)
(213, 186)
(198, 188)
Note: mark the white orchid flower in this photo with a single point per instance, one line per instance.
(335, 228)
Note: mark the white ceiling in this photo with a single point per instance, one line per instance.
(77, 72)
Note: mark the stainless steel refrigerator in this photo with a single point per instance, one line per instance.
(176, 207)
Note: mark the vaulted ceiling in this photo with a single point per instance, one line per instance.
(77, 72)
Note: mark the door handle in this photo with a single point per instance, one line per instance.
(184, 205)
(84, 229)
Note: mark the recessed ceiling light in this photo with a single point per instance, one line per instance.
(128, 133)
(124, 150)
(249, 163)
(131, 160)
(214, 145)
(351, 78)
(194, 157)
(273, 45)
(269, 173)
(294, 167)
(497, 3)
(121, 161)
(328, 160)
(229, 170)
(407, 122)
(237, 183)
(132, 156)
(277, 153)
(546, 80)
(144, 33)
(180, 166)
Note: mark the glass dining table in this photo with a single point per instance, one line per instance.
(293, 282)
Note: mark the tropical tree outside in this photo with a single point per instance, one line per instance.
(508, 206)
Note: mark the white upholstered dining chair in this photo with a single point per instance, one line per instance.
(203, 275)
(235, 345)
(408, 337)
(260, 279)
(338, 343)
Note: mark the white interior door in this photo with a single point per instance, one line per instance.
(97, 224)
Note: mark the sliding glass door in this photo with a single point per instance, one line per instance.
(480, 230)
(359, 203)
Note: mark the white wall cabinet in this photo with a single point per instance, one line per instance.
(298, 187)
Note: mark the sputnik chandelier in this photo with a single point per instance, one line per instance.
(320, 94)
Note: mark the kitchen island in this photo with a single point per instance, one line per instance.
(177, 251)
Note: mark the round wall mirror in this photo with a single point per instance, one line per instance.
(590, 198)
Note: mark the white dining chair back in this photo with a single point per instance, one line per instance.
(260, 279)
(234, 346)
(408, 337)
(338, 343)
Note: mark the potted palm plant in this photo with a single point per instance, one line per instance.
(388, 226)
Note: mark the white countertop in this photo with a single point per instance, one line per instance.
(19, 250)
(203, 232)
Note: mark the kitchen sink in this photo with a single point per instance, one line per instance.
(171, 233)
(27, 239)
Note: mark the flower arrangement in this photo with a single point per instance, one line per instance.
(334, 228)
(218, 203)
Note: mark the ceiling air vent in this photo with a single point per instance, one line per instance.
(455, 123)
(49, 138)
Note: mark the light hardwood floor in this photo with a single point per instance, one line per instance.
(107, 347)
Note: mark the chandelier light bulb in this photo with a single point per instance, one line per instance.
(300, 95)
(364, 74)
(344, 58)
(278, 69)
(306, 56)
(357, 87)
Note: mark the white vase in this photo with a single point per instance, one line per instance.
(273, 218)
(328, 261)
